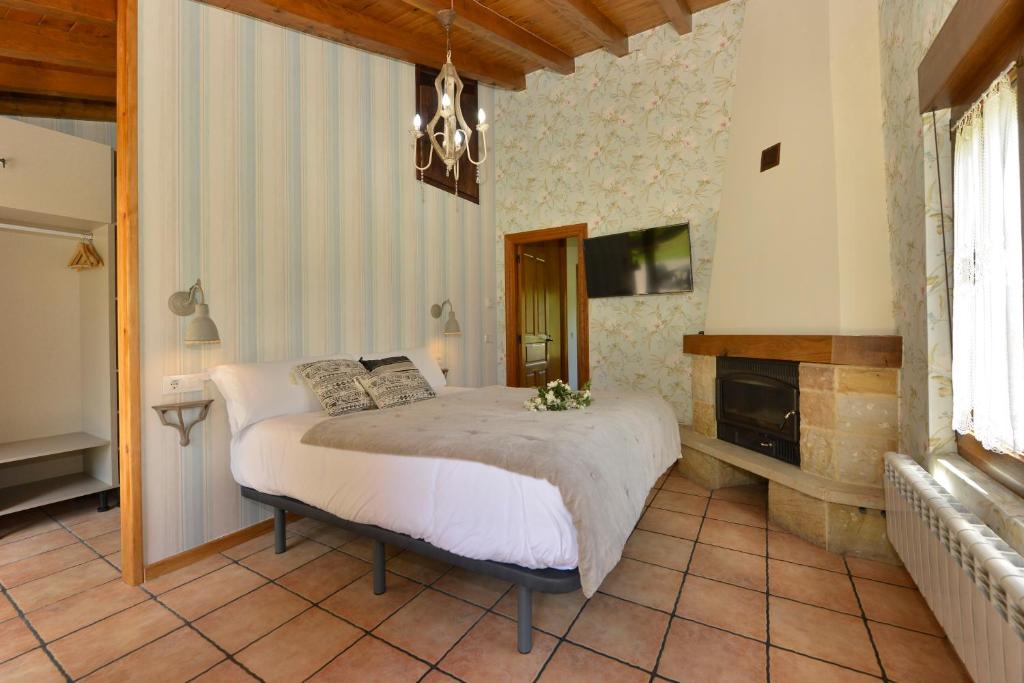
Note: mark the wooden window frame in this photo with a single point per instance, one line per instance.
(426, 106)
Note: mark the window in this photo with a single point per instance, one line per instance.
(988, 294)
(426, 106)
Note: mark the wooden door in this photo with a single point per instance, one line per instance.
(541, 270)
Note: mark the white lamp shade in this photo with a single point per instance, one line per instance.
(451, 327)
(201, 329)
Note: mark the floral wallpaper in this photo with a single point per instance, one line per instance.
(906, 31)
(624, 144)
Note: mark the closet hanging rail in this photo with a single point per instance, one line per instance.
(47, 231)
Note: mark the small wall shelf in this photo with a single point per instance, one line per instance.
(28, 449)
(184, 429)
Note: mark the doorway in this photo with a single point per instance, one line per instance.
(546, 307)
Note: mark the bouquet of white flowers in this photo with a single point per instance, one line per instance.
(558, 395)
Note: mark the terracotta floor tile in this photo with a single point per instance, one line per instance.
(177, 657)
(552, 612)
(209, 592)
(299, 648)
(489, 653)
(897, 605)
(325, 575)
(738, 513)
(880, 571)
(44, 564)
(733, 536)
(167, 582)
(16, 551)
(429, 625)
(70, 614)
(98, 524)
(357, 603)
(680, 502)
(436, 676)
(253, 545)
(726, 606)
(679, 484)
(730, 566)
(31, 667)
(23, 525)
(621, 630)
(472, 586)
(75, 511)
(250, 617)
(15, 639)
(821, 633)
(676, 524)
(371, 661)
(225, 672)
(332, 536)
(114, 559)
(362, 548)
(701, 653)
(94, 646)
(106, 544)
(55, 587)
(573, 664)
(271, 565)
(650, 497)
(783, 546)
(666, 551)
(813, 586)
(753, 494)
(417, 567)
(644, 583)
(789, 667)
(910, 657)
(6, 608)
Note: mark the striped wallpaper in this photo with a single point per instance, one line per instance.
(278, 168)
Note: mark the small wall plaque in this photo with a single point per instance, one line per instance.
(770, 157)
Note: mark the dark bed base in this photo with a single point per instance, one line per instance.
(527, 580)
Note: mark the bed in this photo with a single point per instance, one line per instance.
(470, 514)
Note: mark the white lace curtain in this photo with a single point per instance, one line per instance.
(988, 307)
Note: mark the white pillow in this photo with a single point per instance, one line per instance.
(422, 359)
(258, 391)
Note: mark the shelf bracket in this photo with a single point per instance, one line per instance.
(184, 429)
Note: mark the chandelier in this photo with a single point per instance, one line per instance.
(448, 132)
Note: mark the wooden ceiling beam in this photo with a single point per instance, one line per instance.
(679, 15)
(594, 22)
(19, 104)
(488, 25)
(92, 11)
(43, 79)
(351, 28)
(53, 46)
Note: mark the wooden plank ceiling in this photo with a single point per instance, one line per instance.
(57, 56)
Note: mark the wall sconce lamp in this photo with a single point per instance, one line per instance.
(451, 326)
(201, 329)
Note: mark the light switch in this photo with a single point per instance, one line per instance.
(181, 384)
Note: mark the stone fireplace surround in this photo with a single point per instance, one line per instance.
(849, 419)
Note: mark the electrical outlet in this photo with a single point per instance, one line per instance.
(180, 384)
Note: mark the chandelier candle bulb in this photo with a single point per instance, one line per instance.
(481, 116)
(417, 123)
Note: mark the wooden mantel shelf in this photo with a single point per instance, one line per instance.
(864, 351)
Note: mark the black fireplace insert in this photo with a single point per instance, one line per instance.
(758, 406)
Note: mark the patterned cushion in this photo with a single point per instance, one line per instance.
(394, 382)
(334, 383)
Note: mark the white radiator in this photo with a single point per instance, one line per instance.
(972, 580)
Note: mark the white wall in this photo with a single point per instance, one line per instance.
(803, 247)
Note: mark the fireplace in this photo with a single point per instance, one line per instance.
(758, 406)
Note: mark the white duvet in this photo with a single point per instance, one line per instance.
(467, 508)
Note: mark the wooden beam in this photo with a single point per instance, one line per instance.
(345, 26)
(20, 104)
(488, 25)
(92, 11)
(34, 78)
(866, 351)
(129, 374)
(978, 40)
(53, 46)
(593, 22)
(679, 15)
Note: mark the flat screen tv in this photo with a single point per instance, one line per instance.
(653, 261)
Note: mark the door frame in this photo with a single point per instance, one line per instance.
(512, 242)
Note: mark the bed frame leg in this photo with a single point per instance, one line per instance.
(279, 531)
(379, 567)
(524, 620)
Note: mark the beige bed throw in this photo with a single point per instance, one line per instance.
(604, 459)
